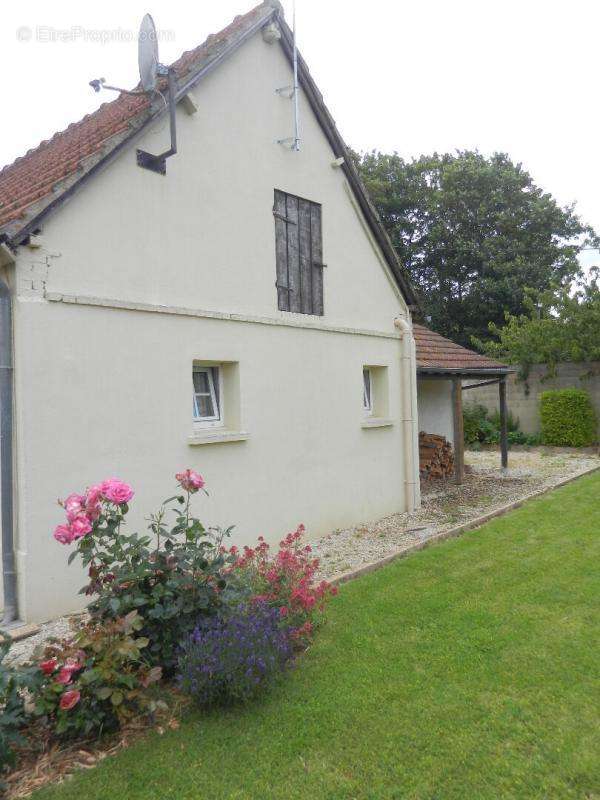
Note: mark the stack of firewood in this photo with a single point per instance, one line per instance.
(436, 459)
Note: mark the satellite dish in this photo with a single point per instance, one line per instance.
(148, 53)
(150, 70)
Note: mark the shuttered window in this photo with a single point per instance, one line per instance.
(299, 254)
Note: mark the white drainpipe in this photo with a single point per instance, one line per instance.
(410, 422)
(9, 575)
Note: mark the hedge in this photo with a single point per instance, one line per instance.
(568, 418)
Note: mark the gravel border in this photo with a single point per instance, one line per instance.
(446, 507)
(442, 535)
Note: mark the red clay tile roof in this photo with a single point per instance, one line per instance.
(436, 352)
(38, 174)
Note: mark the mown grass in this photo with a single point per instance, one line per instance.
(469, 670)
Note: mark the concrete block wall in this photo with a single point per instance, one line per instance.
(524, 397)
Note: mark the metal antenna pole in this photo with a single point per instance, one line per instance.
(296, 111)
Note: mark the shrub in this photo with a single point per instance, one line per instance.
(518, 437)
(16, 684)
(568, 418)
(286, 581)
(481, 427)
(97, 680)
(232, 657)
(473, 418)
(171, 577)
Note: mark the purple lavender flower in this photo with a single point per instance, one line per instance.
(233, 657)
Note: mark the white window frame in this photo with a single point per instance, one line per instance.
(367, 392)
(213, 373)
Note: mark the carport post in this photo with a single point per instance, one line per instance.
(459, 442)
(503, 423)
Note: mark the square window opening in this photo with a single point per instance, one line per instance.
(375, 391)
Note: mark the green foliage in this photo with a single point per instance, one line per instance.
(171, 578)
(568, 418)
(557, 326)
(15, 684)
(473, 233)
(474, 418)
(481, 427)
(97, 680)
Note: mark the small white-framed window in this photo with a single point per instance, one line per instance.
(367, 391)
(207, 396)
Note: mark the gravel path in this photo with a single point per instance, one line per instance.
(55, 629)
(444, 505)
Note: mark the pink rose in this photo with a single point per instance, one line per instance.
(63, 534)
(80, 525)
(74, 504)
(190, 481)
(92, 512)
(93, 508)
(93, 494)
(48, 666)
(69, 699)
(65, 675)
(116, 491)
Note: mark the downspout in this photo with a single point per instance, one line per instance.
(408, 377)
(9, 575)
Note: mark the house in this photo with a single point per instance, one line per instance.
(444, 371)
(243, 314)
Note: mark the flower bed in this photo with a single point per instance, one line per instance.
(171, 610)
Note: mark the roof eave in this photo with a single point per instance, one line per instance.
(469, 371)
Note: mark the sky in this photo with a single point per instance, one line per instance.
(517, 76)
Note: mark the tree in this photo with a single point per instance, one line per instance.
(474, 233)
(559, 326)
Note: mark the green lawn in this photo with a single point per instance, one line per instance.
(469, 670)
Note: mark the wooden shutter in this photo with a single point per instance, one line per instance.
(280, 214)
(299, 254)
(316, 246)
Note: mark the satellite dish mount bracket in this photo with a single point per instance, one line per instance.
(158, 163)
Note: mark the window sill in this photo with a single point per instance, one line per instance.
(216, 436)
(377, 422)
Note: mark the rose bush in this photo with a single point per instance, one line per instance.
(171, 577)
(96, 680)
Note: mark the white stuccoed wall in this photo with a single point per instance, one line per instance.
(434, 398)
(104, 391)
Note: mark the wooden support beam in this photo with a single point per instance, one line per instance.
(459, 443)
(483, 383)
(503, 423)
